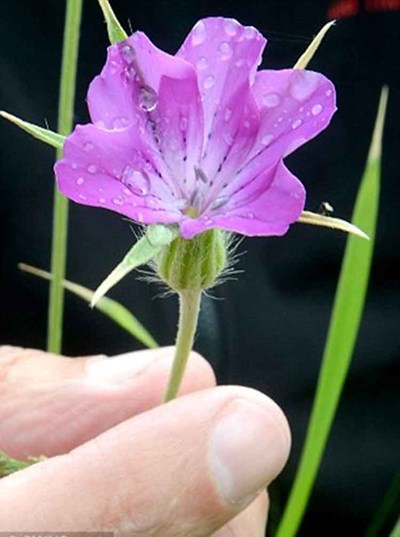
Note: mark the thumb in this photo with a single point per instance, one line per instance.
(183, 469)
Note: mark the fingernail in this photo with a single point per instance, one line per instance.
(122, 368)
(248, 448)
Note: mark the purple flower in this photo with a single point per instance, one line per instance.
(196, 139)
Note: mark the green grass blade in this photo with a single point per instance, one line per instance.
(388, 506)
(111, 308)
(60, 209)
(396, 530)
(114, 29)
(343, 329)
(44, 135)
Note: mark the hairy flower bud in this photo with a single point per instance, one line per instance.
(196, 263)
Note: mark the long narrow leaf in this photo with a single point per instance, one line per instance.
(343, 329)
(113, 309)
(44, 135)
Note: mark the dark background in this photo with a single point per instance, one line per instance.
(269, 327)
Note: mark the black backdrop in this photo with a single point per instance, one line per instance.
(269, 328)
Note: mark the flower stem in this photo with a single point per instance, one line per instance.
(189, 302)
(60, 210)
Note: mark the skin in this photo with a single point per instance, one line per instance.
(120, 461)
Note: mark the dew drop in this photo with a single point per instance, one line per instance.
(304, 84)
(267, 139)
(240, 63)
(183, 123)
(74, 165)
(137, 182)
(88, 146)
(219, 202)
(250, 32)
(102, 200)
(92, 168)
(82, 197)
(270, 100)
(199, 34)
(316, 109)
(231, 27)
(296, 123)
(202, 63)
(225, 51)
(80, 181)
(119, 122)
(250, 215)
(119, 200)
(209, 82)
(128, 53)
(140, 217)
(228, 114)
(148, 99)
(328, 92)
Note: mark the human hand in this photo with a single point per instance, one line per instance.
(124, 464)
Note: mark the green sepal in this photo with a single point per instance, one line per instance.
(114, 29)
(156, 238)
(111, 308)
(44, 135)
(307, 55)
(196, 263)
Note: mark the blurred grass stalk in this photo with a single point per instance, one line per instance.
(60, 210)
(342, 334)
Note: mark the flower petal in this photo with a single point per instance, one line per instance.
(268, 213)
(127, 88)
(225, 55)
(295, 106)
(117, 170)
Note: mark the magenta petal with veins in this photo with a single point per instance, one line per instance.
(196, 139)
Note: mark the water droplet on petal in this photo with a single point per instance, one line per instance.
(183, 123)
(199, 34)
(209, 82)
(228, 114)
(148, 99)
(296, 123)
(119, 200)
(82, 197)
(225, 51)
(88, 146)
(250, 32)
(231, 27)
(328, 92)
(80, 181)
(139, 217)
(202, 63)
(92, 168)
(119, 122)
(316, 109)
(267, 139)
(137, 182)
(240, 63)
(304, 84)
(219, 202)
(128, 53)
(74, 165)
(250, 215)
(270, 100)
(102, 200)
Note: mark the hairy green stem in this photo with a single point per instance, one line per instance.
(60, 210)
(189, 302)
